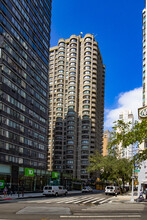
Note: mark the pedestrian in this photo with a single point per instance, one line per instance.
(141, 195)
(22, 191)
(5, 192)
(9, 190)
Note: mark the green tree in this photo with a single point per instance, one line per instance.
(125, 134)
(111, 168)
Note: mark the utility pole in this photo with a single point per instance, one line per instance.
(132, 196)
(133, 177)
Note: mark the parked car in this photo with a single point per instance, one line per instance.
(112, 190)
(87, 189)
(54, 190)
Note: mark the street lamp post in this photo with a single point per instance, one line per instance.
(133, 176)
(132, 195)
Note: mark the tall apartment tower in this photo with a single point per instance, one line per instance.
(24, 65)
(144, 56)
(127, 152)
(76, 100)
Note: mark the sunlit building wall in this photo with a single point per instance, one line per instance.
(106, 138)
(129, 151)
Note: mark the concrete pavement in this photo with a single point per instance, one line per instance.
(126, 198)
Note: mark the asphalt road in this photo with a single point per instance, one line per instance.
(84, 206)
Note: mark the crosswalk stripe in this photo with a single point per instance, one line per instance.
(74, 200)
(64, 201)
(49, 202)
(82, 200)
(30, 201)
(104, 201)
(70, 201)
(67, 199)
(36, 201)
(88, 201)
(97, 200)
(41, 201)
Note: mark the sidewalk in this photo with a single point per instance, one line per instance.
(31, 195)
(126, 198)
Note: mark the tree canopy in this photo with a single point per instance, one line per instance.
(111, 168)
(125, 134)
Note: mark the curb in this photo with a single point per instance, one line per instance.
(30, 197)
(128, 201)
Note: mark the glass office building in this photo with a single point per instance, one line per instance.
(24, 57)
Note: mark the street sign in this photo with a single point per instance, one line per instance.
(142, 112)
(136, 170)
(2, 184)
(55, 175)
(29, 172)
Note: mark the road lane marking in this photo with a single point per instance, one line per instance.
(64, 201)
(67, 199)
(78, 201)
(102, 216)
(104, 201)
(71, 201)
(49, 202)
(89, 200)
(97, 200)
(36, 201)
(44, 201)
(30, 201)
(74, 200)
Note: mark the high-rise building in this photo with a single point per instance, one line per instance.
(144, 57)
(143, 111)
(76, 100)
(129, 151)
(142, 177)
(24, 62)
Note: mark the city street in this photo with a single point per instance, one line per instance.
(84, 206)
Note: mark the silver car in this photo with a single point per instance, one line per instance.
(112, 190)
(87, 189)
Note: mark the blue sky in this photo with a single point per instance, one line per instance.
(117, 26)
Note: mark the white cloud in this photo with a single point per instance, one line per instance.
(131, 100)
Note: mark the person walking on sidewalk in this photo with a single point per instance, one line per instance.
(5, 192)
(141, 195)
(9, 191)
(22, 190)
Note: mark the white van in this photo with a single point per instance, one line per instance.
(112, 190)
(54, 190)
